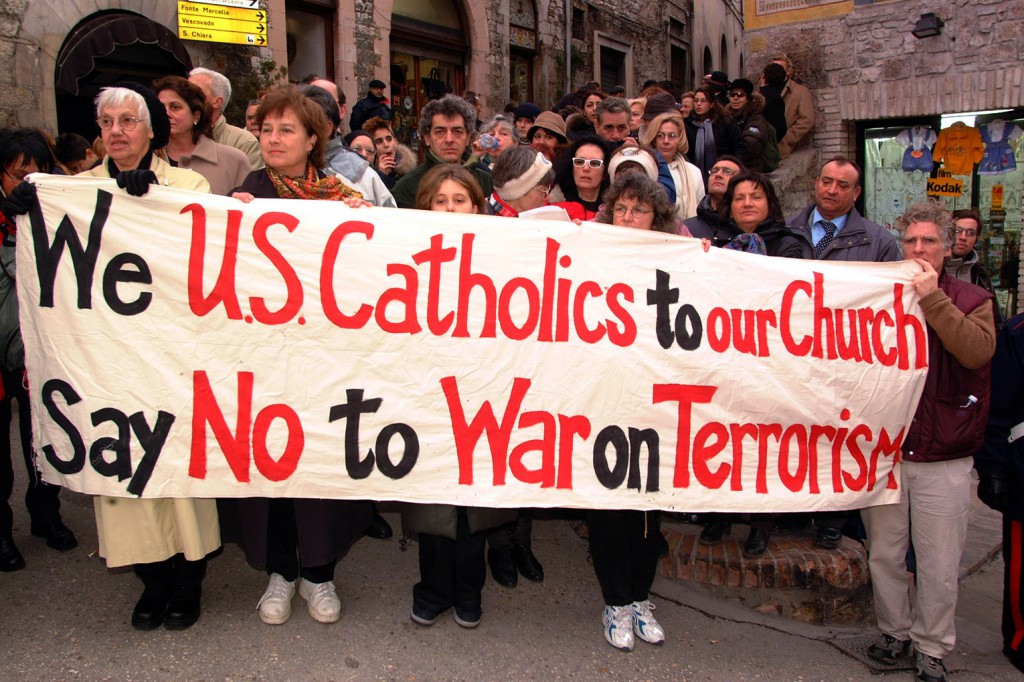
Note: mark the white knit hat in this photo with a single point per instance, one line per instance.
(518, 187)
(633, 155)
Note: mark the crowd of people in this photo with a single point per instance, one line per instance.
(690, 164)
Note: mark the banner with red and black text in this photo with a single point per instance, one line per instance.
(188, 345)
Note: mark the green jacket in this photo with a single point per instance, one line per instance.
(405, 189)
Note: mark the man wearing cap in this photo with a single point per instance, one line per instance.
(799, 109)
(524, 116)
(374, 104)
(445, 133)
(747, 111)
(719, 82)
(547, 134)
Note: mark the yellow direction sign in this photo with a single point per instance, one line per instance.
(221, 24)
(217, 36)
(199, 9)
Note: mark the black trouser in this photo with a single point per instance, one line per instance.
(452, 572)
(283, 546)
(516, 532)
(173, 572)
(624, 545)
(41, 498)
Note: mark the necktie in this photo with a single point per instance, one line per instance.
(830, 232)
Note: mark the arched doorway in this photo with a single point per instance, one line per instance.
(428, 53)
(103, 49)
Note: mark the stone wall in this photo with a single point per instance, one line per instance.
(867, 65)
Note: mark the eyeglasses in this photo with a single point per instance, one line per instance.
(667, 136)
(636, 211)
(963, 230)
(580, 162)
(365, 151)
(543, 189)
(724, 170)
(737, 95)
(126, 123)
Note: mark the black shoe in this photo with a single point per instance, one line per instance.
(829, 538)
(58, 536)
(468, 617)
(183, 608)
(503, 569)
(150, 609)
(527, 563)
(714, 532)
(756, 544)
(379, 528)
(10, 557)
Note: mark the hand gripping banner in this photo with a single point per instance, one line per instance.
(188, 345)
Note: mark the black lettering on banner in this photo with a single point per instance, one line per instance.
(152, 443)
(71, 397)
(410, 453)
(661, 296)
(351, 411)
(117, 271)
(82, 259)
(612, 477)
(121, 466)
(650, 438)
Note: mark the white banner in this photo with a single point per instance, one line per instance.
(182, 344)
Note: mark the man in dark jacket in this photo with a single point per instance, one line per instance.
(707, 220)
(964, 263)
(832, 229)
(444, 131)
(937, 457)
(774, 78)
(374, 104)
(747, 111)
(1000, 465)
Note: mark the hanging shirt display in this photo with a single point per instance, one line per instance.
(999, 156)
(959, 147)
(918, 141)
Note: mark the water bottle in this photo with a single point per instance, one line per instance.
(489, 142)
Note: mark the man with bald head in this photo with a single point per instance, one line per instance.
(217, 89)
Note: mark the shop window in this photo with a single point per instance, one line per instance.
(901, 168)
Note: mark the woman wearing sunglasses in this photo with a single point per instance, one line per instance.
(581, 176)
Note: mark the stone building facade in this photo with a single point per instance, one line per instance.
(871, 77)
(56, 55)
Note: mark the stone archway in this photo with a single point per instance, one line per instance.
(103, 49)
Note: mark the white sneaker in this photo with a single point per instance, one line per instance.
(618, 626)
(324, 604)
(276, 603)
(644, 625)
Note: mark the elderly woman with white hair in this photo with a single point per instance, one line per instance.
(522, 179)
(503, 136)
(165, 540)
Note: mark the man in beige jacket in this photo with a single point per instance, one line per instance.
(799, 109)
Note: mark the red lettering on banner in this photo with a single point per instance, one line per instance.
(236, 446)
(469, 280)
(685, 395)
(467, 435)
(328, 300)
(404, 298)
(436, 256)
(293, 302)
(579, 317)
(224, 290)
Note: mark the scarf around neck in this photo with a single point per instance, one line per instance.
(330, 188)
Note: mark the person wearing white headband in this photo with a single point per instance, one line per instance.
(522, 179)
(628, 155)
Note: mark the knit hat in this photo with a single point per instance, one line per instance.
(633, 155)
(158, 121)
(659, 103)
(526, 110)
(742, 84)
(353, 135)
(518, 187)
(718, 80)
(551, 122)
